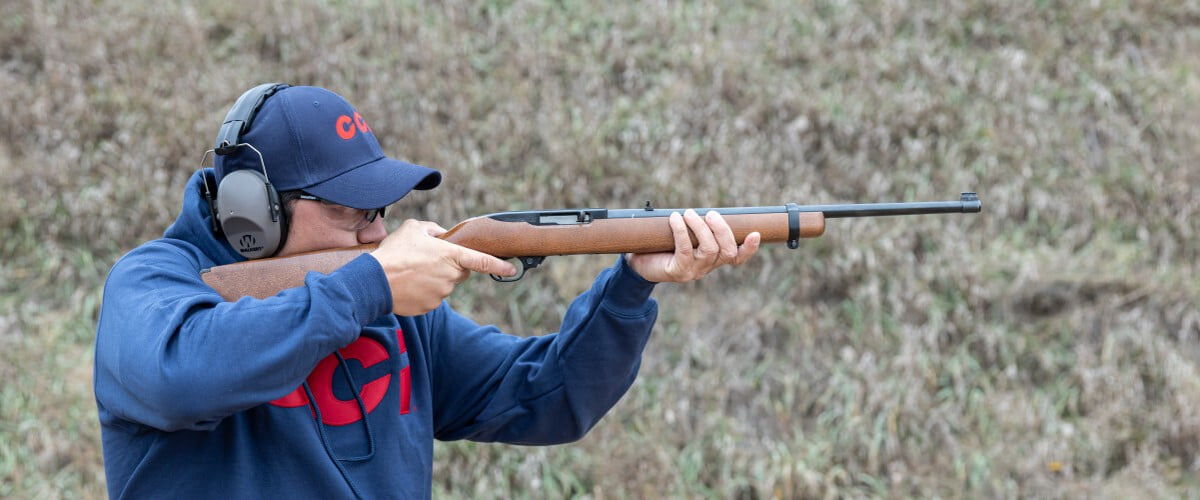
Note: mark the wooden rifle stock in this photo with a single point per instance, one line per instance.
(531, 236)
(264, 278)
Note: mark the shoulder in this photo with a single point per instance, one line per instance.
(163, 260)
(161, 252)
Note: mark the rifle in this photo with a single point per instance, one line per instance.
(531, 236)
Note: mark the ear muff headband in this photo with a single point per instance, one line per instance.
(238, 119)
(247, 208)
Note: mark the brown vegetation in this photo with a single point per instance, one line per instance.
(1047, 347)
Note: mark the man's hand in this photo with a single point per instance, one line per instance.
(716, 248)
(422, 269)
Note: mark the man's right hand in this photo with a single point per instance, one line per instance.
(422, 269)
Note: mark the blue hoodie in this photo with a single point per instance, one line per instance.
(202, 398)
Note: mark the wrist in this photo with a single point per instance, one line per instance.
(624, 266)
(367, 284)
(648, 267)
(628, 290)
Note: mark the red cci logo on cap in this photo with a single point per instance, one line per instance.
(347, 127)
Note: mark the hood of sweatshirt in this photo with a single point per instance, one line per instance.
(194, 223)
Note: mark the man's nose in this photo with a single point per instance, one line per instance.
(373, 233)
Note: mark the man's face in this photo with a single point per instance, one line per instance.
(317, 225)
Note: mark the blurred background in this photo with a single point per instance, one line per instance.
(1047, 347)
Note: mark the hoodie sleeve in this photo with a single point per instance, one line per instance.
(491, 386)
(171, 354)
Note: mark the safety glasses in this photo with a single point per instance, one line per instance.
(354, 219)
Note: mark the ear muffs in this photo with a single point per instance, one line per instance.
(249, 214)
(247, 208)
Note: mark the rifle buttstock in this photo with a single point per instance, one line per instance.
(267, 277)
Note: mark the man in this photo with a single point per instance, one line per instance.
(337, 388)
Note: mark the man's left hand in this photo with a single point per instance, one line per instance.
(716, 247)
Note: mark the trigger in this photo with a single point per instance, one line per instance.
(527, 263)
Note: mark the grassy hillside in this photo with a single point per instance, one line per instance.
(1046, 347)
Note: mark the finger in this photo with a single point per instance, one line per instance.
(675, 267)
(747, 249)
(727, 246)
(432, 228)
(683, 242)
(706, 250)
(483, 263)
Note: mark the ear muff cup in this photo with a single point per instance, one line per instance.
(250, 215)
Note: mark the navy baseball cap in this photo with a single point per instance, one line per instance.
(312, 139)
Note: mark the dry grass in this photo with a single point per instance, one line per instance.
(1048, 347)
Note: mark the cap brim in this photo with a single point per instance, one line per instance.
(376, 184)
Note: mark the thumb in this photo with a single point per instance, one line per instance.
(483, 263)
(433, 229)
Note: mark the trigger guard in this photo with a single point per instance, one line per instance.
(527, 263)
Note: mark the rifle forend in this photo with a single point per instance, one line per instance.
(531, 236)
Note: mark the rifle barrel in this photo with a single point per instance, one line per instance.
(967, 203)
